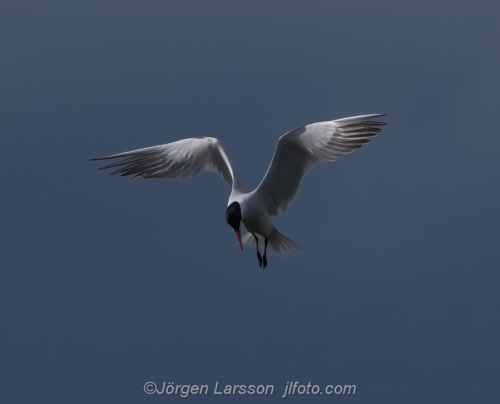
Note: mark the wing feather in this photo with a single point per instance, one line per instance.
(181, 159)
(298, 150)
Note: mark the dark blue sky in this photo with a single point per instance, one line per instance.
(108, 283)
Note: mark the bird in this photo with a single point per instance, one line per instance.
(296, 153)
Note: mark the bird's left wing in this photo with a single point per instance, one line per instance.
(299, 149)
(181, 159)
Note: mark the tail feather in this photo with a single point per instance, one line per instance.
(279, 244)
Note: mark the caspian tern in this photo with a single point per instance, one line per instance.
(297, 151)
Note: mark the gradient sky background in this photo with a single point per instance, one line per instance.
(108, 283)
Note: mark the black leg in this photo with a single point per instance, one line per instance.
(264, 258)
(259, 257)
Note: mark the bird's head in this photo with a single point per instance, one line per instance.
(233, 219)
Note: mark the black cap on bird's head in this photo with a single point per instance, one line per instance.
(233, 219)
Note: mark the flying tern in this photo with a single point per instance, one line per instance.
(297, 151)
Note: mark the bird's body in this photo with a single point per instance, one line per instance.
(295, 153)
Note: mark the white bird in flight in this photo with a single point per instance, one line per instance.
(297, 151)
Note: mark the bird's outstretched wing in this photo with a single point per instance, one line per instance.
(181, 159)
(300, 148)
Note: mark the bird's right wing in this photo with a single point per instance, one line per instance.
(181, 159)
(299, 149)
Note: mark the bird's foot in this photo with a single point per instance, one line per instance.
(259, 257)
(264, 262)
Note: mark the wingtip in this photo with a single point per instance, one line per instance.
(376, 115)
(358, 118)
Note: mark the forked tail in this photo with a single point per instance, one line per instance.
(279, 244)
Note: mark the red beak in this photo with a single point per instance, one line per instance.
(238, 237)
